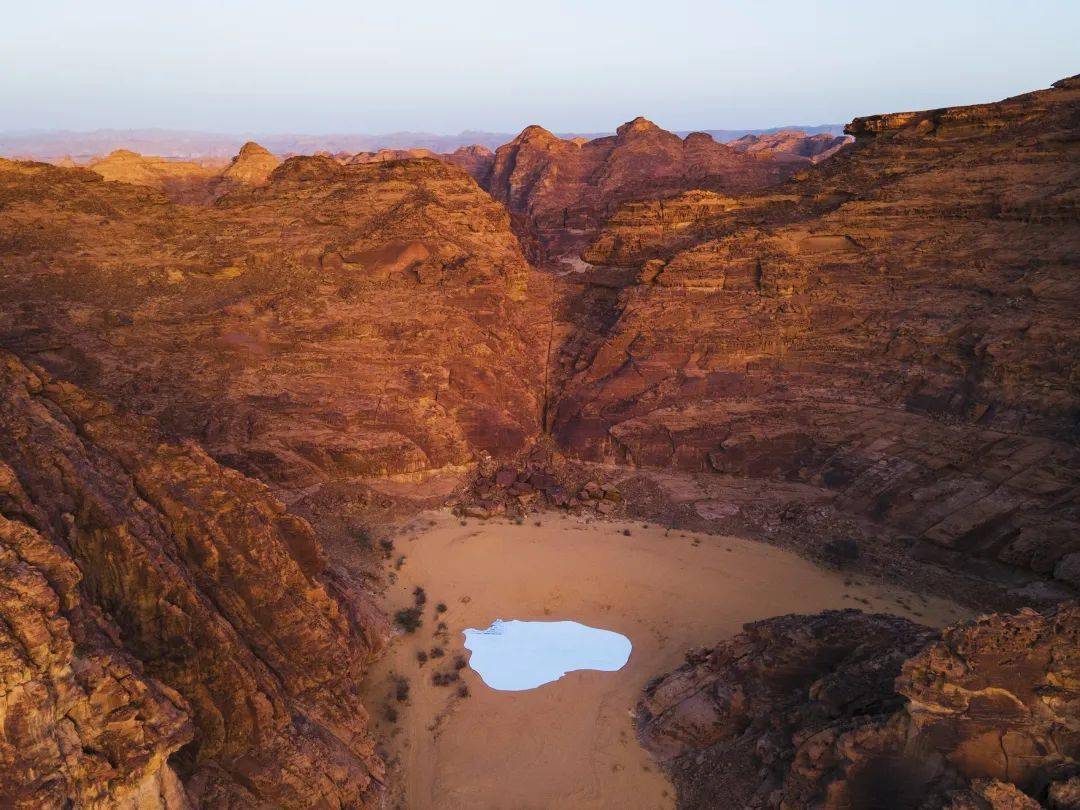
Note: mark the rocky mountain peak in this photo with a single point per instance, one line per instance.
(639, 126)
(534, 134)
(252, 165)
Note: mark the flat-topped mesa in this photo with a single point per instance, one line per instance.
(792, 144)
(386, 155)
(252, 166)
(126, 166)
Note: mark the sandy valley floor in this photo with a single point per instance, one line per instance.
(570, 744)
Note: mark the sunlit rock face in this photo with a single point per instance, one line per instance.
(890, 335)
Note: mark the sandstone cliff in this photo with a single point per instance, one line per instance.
(894, 328)
(241, 652)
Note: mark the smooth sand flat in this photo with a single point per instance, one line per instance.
(570, 744)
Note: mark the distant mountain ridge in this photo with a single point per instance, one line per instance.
(183, 144)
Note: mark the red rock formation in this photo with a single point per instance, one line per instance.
(183, 181)
(340, 322)
(477, 161)
(803, 711)
(82, 723)
(252, 166)
(384, 155)
(112, 531)
(894, 327)
(562, 190)
(792, 144)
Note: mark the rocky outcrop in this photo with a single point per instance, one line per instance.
(848, 710)
(385, 155)
(561, 191)
(82, 722)
(338, 324)
(160, 599)
(893, 328)
(252, 166)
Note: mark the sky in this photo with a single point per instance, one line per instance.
(330, 66)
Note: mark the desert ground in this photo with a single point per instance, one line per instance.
(570, 743)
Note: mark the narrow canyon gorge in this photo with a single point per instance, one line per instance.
(702, 392)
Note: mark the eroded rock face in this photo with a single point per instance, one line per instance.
(561, 191)
(848, 710)
(82, 722)
(339, 322)
(249, 647)
(894, 326)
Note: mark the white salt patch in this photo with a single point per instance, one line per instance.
(516, 655)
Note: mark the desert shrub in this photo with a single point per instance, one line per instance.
(840, 553)
(409, 619)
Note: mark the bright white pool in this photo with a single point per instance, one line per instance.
(517, 655)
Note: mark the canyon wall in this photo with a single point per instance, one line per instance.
(159, 607)
(894, 327)
(193, 396)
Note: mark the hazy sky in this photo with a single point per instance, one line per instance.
(332, 66)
